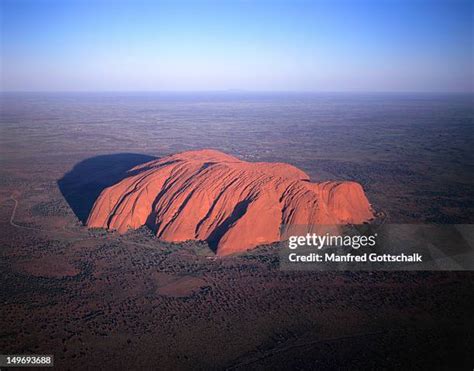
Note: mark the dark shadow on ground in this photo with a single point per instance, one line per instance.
(83, 184)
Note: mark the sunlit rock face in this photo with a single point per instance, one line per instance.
(232, 204)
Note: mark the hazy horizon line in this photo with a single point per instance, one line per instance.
(231, 91)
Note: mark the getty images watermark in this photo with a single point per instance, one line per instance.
(377, 247)
(355, 242)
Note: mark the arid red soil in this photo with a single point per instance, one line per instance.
(232, 204)
(47, 267)
(141, 303)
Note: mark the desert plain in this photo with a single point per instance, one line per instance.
(100, 299)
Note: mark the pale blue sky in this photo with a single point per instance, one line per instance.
(351, 45)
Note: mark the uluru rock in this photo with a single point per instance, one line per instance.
(232, 204)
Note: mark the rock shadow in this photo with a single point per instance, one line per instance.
(215, 237)
(82, 185)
